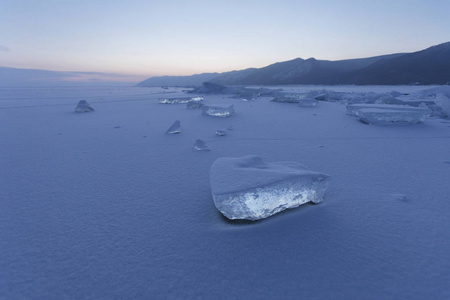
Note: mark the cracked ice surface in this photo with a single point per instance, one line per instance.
(248, 188)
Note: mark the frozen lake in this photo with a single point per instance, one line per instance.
(106, 205)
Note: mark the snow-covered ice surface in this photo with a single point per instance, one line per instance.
(251, 189)
(106, 205)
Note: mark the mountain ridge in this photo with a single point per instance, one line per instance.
(428, 66)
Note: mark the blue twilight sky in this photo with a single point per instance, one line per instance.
(174, 37)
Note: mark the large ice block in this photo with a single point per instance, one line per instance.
(386, 117)
(248, 188)
(388, 114)
(83, 106)
(218, 111)
(354, 109)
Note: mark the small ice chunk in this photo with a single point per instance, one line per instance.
(179, 100)
(174, 128)
(83, 106)
(308, 102)
(248, 188)
(220, 132)
(218, 111)
(200, 145)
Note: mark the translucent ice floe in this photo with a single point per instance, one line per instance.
(200, 145)
(388, 114)
(248, 188)
(389, 100)
(174, 128)
(83, 106)
(354, 109)
(179, 100)
(218, 111)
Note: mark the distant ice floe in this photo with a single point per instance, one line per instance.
(200, 145)
(83, 106)
(248, 188)
(288, 97)
(176, 100)
(174, 128)
(385, 114)
(310, 99)
(218, 111)
(238, 92)
(195, 102)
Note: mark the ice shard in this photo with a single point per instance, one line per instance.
(248, 188)
(174, 128)
(218, 111)
(83, 106)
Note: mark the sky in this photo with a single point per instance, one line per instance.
(145, 38)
